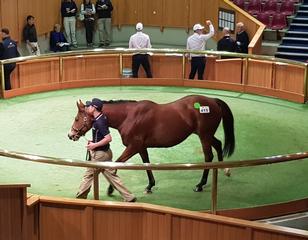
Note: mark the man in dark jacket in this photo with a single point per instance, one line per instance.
(8, 49)
(30, 37)
(226, 43)
(242, 38)
(103, 10)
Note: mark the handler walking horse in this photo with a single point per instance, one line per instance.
(145, 124)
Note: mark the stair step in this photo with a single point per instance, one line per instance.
(300, 18)
(295, 39)
(298, 32)
(293, 54)
(293, 47)
(302, 11)
(299, 24)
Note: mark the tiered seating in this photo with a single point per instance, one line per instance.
(269, 12)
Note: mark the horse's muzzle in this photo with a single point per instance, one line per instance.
(74, 137)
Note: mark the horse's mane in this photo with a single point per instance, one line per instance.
(117, 101)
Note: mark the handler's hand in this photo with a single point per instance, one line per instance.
(91, 145)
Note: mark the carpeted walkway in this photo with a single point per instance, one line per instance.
(39, 124)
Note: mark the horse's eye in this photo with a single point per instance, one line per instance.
(76, 119)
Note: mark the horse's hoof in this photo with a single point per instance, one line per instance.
(110, 191)
(198, 189)
(147, 191)
(227, 172)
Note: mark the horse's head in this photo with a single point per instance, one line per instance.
(81, 124)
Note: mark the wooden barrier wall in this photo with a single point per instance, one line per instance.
(73, 219)
(261, 77)
(12, 211)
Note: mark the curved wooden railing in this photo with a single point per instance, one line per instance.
(256, 74)
(161, 166)
(35, 217)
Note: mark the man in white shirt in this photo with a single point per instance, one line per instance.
(140, 40)
(197, 42)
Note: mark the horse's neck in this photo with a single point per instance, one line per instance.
(116, 113)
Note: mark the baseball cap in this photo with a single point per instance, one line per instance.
(139, 26)
(97, 103)
(198, 26)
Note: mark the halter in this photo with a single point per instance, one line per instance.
(83, 126)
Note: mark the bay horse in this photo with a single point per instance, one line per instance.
(145, 124)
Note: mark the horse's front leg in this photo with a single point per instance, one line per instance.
(145, 159)
(127, 154)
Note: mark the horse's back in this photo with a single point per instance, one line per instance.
(164, 125)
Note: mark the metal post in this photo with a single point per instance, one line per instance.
(121, 64)
(183, 65)
(96, 185)
(61, 70)
(305, 84)
(2, 80)
(245, 73)
(214, 191)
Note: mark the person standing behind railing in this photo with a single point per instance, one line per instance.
(68, 11)
(226, 43)
(8, 49)
(87, 9)
(30, 37)
(104, 9)
(197, 41)
(140, 40)
(242, 39)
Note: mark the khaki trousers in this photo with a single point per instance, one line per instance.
(70, 29)
(104, 30)
(109, 174)
(30, 50)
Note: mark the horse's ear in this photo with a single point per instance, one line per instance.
(80, 104)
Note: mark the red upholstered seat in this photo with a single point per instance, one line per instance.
(264, 17)
(271, 7)
(279, 22)
(287, 8)
(254, 7)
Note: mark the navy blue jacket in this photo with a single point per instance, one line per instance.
(103, 13)
(9, 49)
(56, 37)
(71, 5)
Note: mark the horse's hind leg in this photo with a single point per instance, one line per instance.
(218, 147)
(208, 154)
(145, 159)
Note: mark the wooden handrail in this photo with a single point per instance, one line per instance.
(154, 166)
(159, 166)
(167, 51)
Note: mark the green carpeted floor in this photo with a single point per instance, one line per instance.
(39, 124)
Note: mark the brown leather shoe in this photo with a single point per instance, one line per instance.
(82, 196)
(133, 200)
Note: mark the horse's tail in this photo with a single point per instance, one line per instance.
(228, 125)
